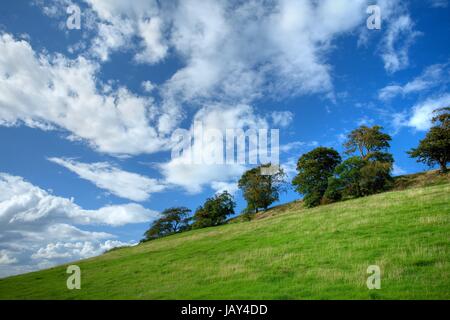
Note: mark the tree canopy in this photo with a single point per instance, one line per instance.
(172, 220)
(260, 190)
(314, 168)
(434, 149)
(367, 140)
(214, 211)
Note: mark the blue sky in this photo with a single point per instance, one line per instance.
(87, 115)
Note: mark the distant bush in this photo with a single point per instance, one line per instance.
(173, 220)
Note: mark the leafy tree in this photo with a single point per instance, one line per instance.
(367, 140)
(173, 220)
(357, 177)
(374, 171)
(314, 168)
(435, 147)
(346, 179)
(376, 174)
(214, 211)
(260, 190)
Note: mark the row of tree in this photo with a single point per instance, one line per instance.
(323, 177)
(213, 212)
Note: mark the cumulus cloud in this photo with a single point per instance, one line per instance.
(106, 176)
(219, 187)
(5, 258)
(76, 250)
(282, 118)
(420, 115)
(51, 91)
(184, 171)
(118, 22)
(231, 51)
(432, 76)
(31, 218)
(23, 203)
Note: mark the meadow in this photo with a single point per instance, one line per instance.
(286, 253)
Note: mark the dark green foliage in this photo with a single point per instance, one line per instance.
(259, 190)
(366, 174)
(376, 176)
(314, 169)
(333, 192)
(357, 177)
(214, 211)
(435, 147)
(346, 179)
(172, 220)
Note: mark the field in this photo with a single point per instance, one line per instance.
(286, 253)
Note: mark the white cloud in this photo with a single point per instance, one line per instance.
(282, 118)
(148, 86)
(232, 51)
(432, 76)
(154, 50)
(182, 172)
(32, 218)
(121, 183)
(219, 187)
(5, 258)
(399, 37)
(423, 112)
(21, 203)
(76, 250)
(420, 115)
(51, 92)
(118, 22)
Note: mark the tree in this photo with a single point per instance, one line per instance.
(345, 181)
(367, 140)
(173, 220)
(259, 190)
(435, 147)
(358, 177)
(376, 173)
(314, 168)
(214, 211)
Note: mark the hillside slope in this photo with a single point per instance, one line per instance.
(320, 253)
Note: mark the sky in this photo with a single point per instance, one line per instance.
(92, 93)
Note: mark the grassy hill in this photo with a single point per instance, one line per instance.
(285, 253)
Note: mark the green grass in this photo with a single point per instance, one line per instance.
(291, 253)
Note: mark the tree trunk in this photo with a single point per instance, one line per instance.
(443, 167)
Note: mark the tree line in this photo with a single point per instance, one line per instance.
(323, 177)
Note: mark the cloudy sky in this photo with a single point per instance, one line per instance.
(87, 115)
